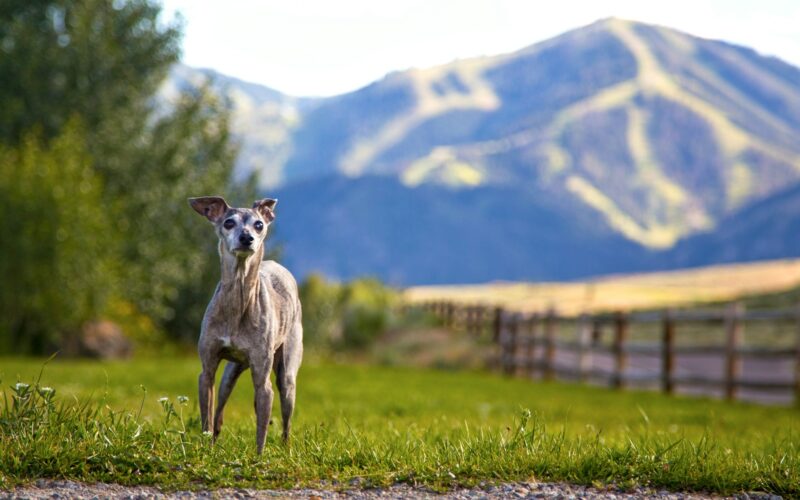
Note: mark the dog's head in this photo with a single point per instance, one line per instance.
(241, 231)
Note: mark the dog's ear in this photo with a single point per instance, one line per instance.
(210, 207)
(266, 208)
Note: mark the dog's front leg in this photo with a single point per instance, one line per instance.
(206, 390)
(263, 400)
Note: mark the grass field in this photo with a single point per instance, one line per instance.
(626, 292)
(370, 425)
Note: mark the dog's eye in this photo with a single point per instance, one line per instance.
(258, 225)
(229, 224)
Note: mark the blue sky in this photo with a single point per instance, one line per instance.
(327, 47)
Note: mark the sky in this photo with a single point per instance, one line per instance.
(328, 47)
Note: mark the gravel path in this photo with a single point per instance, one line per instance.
(67, 489)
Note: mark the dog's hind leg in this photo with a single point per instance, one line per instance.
(287, 364)
(229, 377)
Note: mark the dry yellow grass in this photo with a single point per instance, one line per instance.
(626, 292)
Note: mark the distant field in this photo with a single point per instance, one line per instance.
(370, 425)
(626, 292)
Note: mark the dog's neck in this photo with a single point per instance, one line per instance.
(240, 284)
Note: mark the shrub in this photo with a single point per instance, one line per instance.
(58, 264)
(348, 315)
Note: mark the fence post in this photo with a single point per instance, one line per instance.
(533, 327)
(514, 332)
(550, 325)
(469, 320)
(797, 360)
(501, 339)
(450, 315)
(620, 356)
(733, 337)
(597, 331)
(479, 321)
(668, 352)
(498, 324)
(584, 333)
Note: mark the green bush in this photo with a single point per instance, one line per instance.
(60, 246)
(321, 311)
(347, 315)
(368, 308)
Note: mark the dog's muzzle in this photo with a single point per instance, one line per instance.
(246, 239)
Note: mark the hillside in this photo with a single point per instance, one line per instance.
(377, 226)
(660, 132)
(616, 135)
(262, 119)
(769, 229)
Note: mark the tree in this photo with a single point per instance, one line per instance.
(100, 59)
(58, 257)
(101, 62)
(173, 253)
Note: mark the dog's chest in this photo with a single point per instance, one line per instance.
(233, 349)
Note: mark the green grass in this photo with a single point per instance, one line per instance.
(383, 425)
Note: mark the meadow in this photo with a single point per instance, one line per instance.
(359, 425)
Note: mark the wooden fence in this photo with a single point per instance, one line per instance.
(550, 346)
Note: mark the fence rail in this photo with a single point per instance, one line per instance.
(537, 345)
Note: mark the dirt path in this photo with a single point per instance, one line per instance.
(67, 489)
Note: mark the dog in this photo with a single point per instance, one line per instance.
(254, 319)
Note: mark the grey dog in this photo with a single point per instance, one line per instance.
(254, 319)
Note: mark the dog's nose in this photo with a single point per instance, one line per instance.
(246, 239)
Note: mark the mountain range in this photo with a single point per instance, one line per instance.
(616, 147)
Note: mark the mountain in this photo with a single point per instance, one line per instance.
(769, 229)
(375, 225)
(262, 119)
(660, 132)
(622, 139)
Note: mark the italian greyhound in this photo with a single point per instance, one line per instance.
(253, 320)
